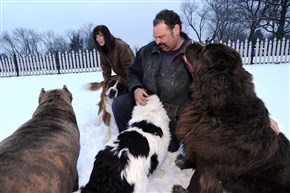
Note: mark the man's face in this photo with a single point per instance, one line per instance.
(164, 37)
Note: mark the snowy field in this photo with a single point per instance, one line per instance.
(19, 99)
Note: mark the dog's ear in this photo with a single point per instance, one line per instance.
(222, 57)
(192, 57)
(68, 92)
(42, 92)
(65, 88)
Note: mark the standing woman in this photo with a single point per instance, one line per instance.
(115, 54)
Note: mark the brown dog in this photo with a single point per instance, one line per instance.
(226, 129)
(41, 155)
(115, 87)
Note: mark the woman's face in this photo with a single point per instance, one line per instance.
(100, 39)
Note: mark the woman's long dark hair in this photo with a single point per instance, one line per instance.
(109, 38)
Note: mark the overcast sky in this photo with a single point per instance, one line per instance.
(129, 20)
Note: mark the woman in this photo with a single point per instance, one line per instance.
(115, 54)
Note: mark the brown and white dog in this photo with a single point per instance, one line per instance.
(115, 87)
(41, 155)
(226, 130)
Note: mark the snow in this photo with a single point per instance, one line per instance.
(19, 99)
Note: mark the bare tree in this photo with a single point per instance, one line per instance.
(22, 42)
(221, 19)
(87, 33)
(8, 44)
(278, 19)
(28, 41)
(49, 38)
(252, 14)
(61, 44)
(76, 41)
(35, 42)
(54, 43)
(215, 19)
(193, 17)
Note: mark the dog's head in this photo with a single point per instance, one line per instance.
(212, 56)
(153, 112)
(55, 97)
(116, 86)
(63, 93)
(218, 68)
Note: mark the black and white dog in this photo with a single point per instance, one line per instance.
(128, 160)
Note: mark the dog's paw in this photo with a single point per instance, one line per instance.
(178, 189)
(184, 163)
(99, 120)
(98, 123)
(180, 161)
(108, 137)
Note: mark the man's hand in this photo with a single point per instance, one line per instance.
(140, 96)
(274, 126)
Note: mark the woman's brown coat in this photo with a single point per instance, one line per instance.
(119, 58)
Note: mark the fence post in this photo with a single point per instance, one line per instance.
(15, 64)
(57, 62)
(266, 47)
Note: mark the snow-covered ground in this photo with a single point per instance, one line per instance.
(19, 99)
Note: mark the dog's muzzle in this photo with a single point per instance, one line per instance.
(112, 93)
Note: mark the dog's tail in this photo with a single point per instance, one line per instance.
(93, 86)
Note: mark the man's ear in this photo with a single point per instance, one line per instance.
(176, 29)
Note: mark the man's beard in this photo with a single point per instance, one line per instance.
(163, 47)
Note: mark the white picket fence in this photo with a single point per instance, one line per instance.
(264, 52)
(62, 63)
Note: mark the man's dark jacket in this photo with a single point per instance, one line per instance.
(142, 73)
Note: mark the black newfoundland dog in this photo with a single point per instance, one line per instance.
(226, 129)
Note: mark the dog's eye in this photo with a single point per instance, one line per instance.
(112, 83)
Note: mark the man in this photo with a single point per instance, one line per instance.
(158, 69)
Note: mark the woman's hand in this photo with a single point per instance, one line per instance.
(140, 96)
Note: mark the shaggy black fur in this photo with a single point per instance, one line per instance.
(148, 128)
(109, 165)
(226, 130)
